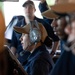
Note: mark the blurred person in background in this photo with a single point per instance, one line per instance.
(66, 63)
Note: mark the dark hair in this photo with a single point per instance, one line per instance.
(27, 3)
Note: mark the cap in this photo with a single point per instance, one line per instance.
(26, 30)
(27, 3)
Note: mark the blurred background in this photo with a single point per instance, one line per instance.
(11, 9)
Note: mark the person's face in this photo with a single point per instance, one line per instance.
(54, 25)
(29, 10)
(61, 26)
(25, 41)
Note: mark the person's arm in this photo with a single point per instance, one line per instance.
(13, 43)
(13, 50)
(54, 48)
(43, 6)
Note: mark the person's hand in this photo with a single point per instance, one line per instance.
(15, 72)
(52, 53)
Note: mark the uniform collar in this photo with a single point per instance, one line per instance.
(36, 52)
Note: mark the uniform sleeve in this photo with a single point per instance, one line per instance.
(43, 7)
(14, 40)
